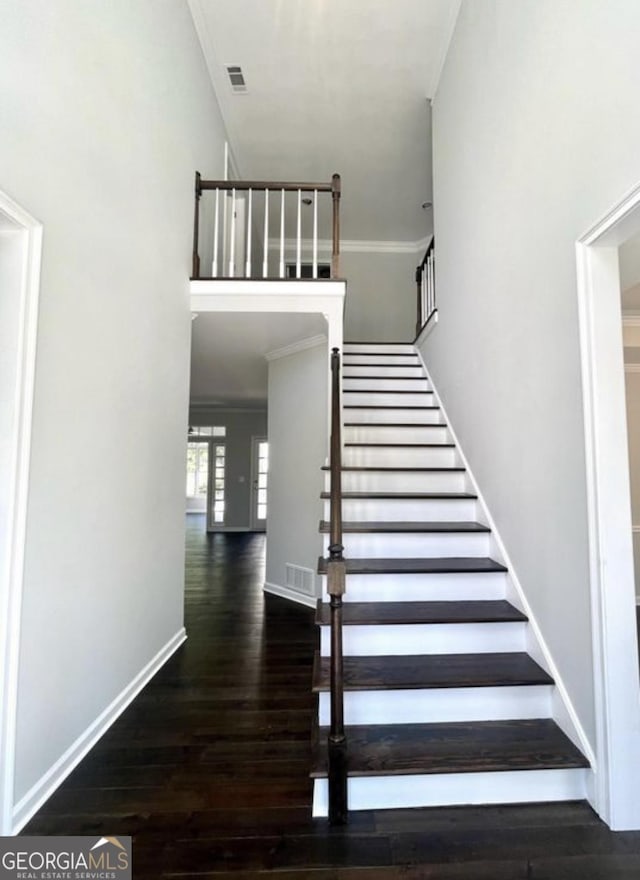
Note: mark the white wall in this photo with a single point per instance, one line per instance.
(381, 296)
(107, 111)
(241, 426)
(536, 135)
(298, 449)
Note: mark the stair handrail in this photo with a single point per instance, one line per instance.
(426, 287)
(336, 585)
(267, 188)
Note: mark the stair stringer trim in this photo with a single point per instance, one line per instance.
(563, 710)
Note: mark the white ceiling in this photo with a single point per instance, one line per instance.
(334, 85)
(228, 353)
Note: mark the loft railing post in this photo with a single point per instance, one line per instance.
(195, 265)
(335, 252)
(336, 577)
(418, 300)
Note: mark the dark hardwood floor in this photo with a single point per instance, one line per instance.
(208, 768)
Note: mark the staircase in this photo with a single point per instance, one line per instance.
(443, 704)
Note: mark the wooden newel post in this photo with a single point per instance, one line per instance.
(195, 266)
(336, 577)
(335, 255)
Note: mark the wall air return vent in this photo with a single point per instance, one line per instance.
(299, 579)
(236, 79)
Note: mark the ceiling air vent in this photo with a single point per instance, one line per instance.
(236, 78)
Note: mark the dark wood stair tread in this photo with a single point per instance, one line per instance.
(394, 424)
(387, 390)
(388, 406)
(403, 446)
(414, 671)
(408, 527)
(385, 366)
(394, 470)
(371, 613)
(424, 565)
(410, 495)
(404, 354)
(453, 747)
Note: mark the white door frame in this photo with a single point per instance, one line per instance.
(12, 568)
(256, 525)
(616, 775)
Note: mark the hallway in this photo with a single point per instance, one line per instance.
(207, 769)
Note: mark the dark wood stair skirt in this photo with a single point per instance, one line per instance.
(422, 671)
(373, 613)
(453, 747)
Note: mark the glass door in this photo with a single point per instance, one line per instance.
(260, 478)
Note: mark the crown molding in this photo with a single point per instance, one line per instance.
(295, 347)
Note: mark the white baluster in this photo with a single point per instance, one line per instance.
(247, 271)
(265, 247)
(232, 249)
(299, 235)
(216, 229)
(315, 233)
(282, 233)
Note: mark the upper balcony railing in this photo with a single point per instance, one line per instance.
(426, 288)
(235, 229)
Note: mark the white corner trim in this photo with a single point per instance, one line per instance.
(58, 772)
(288, 593)
(565, 715)
(295, 347)
(19, 448)
(454, 12)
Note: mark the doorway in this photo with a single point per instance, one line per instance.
(259, 483)
(20, 253)
(615, 648)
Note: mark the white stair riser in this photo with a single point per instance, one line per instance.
(451, 587)
(457, 789)
(421, 706)
(398, 509)
(386, 385)
(398, 457)
(378, 347)
(409, 481)
(413, 546)
(427, 638)
(386, 360)
(388, 415)
(387, 434)
(389, 398)
(373, 373)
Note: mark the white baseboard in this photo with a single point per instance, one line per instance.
(229, 529)
(58, 772)
(293, 595)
